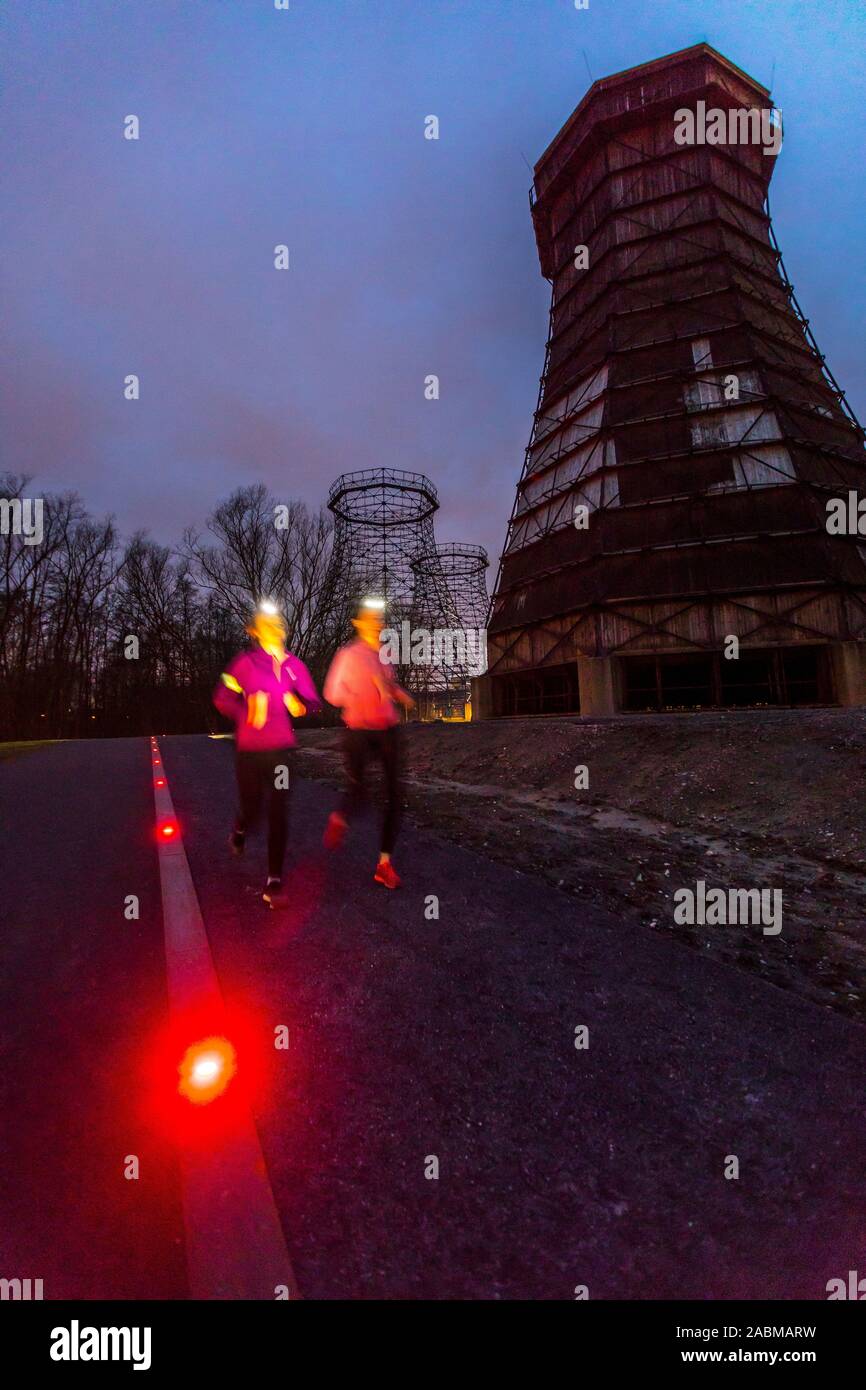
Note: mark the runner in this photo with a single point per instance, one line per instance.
(259, 691)
(363, 687)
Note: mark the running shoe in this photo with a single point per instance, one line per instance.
(274, 894)
(386, 874)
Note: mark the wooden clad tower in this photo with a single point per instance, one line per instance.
(688, 433)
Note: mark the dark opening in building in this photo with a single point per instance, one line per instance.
(772, 676)
(548, 690)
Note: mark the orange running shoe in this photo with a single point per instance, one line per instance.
(386, 874)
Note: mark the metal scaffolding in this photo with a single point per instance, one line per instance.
(450, 595)
(450, 583)
(384, 544)
(383, 519)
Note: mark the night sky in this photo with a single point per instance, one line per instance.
(408, 256)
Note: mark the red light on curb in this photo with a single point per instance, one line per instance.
(206, 1069)
(168, 830)
(160, 781)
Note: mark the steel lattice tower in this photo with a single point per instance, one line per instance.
(450, 591)
(383, 519)
(464, 568)
(706, 513)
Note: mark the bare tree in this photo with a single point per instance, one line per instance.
(275, 551)
(70, 604)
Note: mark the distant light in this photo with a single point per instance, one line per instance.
(160, 781)
(206, 1070)
(168, 829)
(377, 604)
(269, 608)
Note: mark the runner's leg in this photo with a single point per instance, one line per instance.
(390, 754)
(249, 791)
(279, 774)
(356, 750)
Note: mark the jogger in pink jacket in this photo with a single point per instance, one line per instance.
(363, 687)
(262, 690)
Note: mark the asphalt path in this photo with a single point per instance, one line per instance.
(415, 1041)
(82, 996)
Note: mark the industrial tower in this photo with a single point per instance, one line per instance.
(385, 544)
(688, 434)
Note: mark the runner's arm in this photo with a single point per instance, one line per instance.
(229, 696)
(390, 690)
(334, 687)
(303, 689)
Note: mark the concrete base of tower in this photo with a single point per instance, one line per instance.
(482, 697)
(599, 683)
(849, 672)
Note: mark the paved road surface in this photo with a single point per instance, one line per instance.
(82, 991)
(409, 1038)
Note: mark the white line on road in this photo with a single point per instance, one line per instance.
(235, 1246)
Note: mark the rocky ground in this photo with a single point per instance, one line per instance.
(754, 799)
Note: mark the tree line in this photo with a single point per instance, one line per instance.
(101, 636)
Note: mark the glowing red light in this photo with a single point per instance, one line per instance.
(168, 830)
(160, 781)
(206, 1069)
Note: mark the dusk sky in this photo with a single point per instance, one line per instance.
(408, 256)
